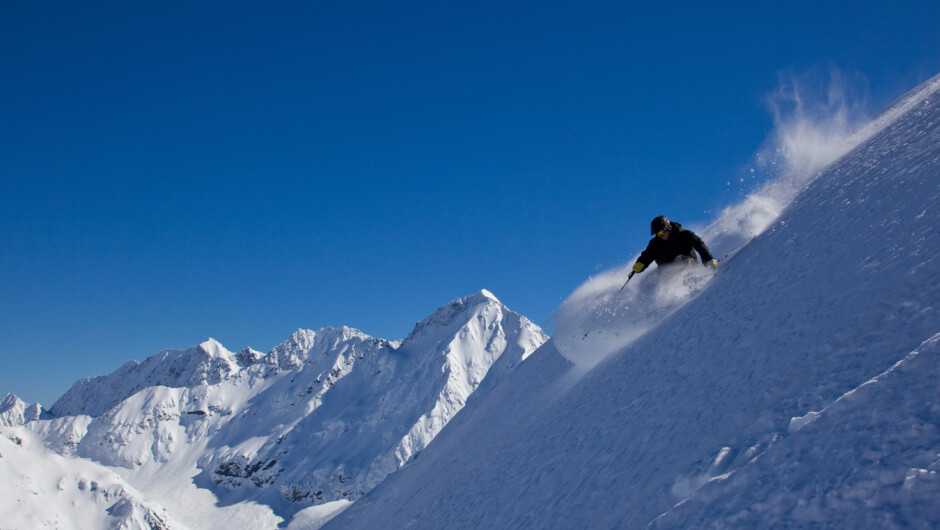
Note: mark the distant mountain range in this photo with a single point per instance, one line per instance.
(324, 416)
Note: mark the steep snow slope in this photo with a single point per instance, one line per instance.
(323, 417)
(870, 459)
(706, 419)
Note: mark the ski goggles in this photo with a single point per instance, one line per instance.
(661, 232)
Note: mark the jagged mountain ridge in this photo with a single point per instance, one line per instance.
(324, 416)
(208, 363)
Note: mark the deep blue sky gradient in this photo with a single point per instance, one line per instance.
(173, 171)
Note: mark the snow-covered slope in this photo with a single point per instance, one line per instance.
(798, 387)
(41, 489)
(869, 459)
(225, 439)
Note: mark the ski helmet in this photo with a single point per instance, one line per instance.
(659, 223)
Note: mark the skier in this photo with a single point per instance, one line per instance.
(673, 243)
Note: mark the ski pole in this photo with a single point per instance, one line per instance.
(629, 277)
(735, 250)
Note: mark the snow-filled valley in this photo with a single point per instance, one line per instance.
(799, 386)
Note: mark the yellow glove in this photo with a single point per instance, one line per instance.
(638, 267)
(712, 264)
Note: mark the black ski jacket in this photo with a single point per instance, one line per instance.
(682, 244)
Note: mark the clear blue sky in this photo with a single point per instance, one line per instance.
(173, 171)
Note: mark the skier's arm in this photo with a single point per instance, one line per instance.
(646, 257)
(700, 247)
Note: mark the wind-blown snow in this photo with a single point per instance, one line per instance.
(781, 393)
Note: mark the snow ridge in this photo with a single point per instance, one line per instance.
(207, 363)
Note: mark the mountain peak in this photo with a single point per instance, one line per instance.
(484, 293)
(213, 348)
(305, 344)
(9, 400)
(14, 411)
(443, 316)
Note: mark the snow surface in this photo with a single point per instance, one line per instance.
(41, 489)
(797, 387)
(316, 516)
(872, 457)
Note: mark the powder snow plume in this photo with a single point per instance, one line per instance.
(817, 120)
